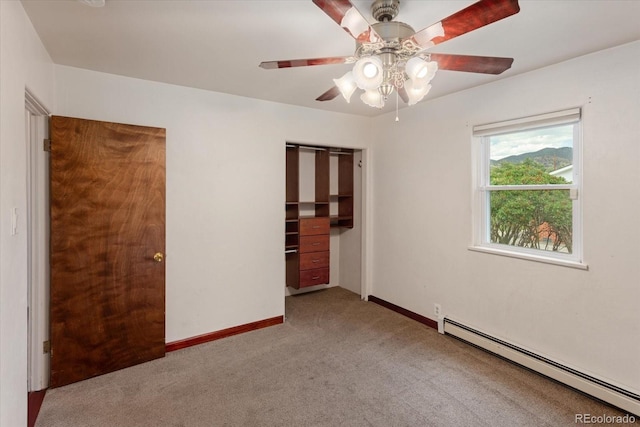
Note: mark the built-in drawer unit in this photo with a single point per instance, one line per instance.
(313, 251)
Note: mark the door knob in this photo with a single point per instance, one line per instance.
(158, 257)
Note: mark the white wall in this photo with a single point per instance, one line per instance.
(422, 218)
(24, 63)
(225, 195)
(225, 188)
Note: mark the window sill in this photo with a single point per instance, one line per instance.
(530, 257)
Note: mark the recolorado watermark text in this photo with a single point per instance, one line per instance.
(604, 419)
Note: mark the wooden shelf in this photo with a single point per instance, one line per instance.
(341, 221)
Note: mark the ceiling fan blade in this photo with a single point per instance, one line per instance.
(468, 19)
(403, 94)
(472, 64)
(271, 65)
(350, 19)
(329, 95)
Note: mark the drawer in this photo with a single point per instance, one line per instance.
(313, 226)
(317, 276)
(314, 260)
(319, 243)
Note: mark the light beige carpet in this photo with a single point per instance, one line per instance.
(336, 361)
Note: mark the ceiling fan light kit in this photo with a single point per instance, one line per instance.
(391, 56)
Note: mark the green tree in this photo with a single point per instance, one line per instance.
(540, 219)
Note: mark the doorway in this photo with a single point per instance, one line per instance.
(138, 287)
(350, 247)
(36, 131)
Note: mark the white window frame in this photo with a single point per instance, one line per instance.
(481, 241)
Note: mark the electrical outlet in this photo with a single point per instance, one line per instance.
(437, 309)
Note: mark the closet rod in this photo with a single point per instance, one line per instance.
(344, 153)
(306, 147)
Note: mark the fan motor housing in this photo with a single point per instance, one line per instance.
(393, 31)
(385, 10)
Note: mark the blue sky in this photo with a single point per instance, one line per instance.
(530, 141)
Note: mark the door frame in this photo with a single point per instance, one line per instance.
(36, 130)
(366, 193)
(366, 266)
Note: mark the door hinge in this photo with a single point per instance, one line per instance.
(47, 144)
(46, 347)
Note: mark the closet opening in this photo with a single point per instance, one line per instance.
(324, 218)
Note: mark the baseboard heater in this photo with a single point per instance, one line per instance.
(595, 387)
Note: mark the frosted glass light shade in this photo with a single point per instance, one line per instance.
(372, 98)
(416, 68)
(368, 72)
(347, 85)
(432, 66)
(416, 90)
(419, 69)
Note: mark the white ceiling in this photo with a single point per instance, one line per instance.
(217, 45)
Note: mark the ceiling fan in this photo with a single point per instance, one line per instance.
(390, 55)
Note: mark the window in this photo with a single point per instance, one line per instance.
(527, 201)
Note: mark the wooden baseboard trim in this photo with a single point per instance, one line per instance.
(410, 314)
(224, 333)
(34, 403)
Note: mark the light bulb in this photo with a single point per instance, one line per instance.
(370, 70)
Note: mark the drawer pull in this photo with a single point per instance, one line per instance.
(315, 277)
(315, 260)
(316, 226)
(315, 244)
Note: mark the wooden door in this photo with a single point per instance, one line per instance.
(107, 223)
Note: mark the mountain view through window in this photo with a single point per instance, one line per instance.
(538, 216)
